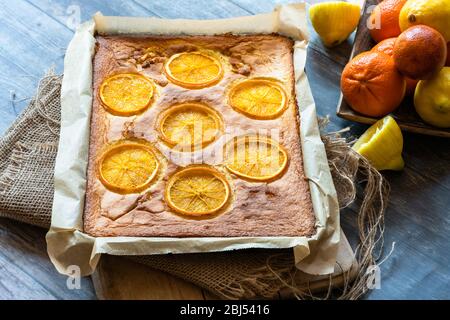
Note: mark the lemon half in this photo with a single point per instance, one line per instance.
(382, 145)
(334, 21)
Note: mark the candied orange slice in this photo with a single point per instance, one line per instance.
(255, 158)
(126, 94)
(197, 191)
(189, 124)
(193, 70)
(128, 167)
(258, 98)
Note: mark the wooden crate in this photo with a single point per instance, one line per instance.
(405, 115)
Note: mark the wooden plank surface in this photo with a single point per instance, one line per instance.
(25, 270)
(34, 35)
(118, 278)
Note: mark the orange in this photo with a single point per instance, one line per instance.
(189, 125)
(420, 52)
(126, 94)
(387, 46)
(197, 191)
(128, 167)
(372, 85)
(193, 70)
(255, 158)
(384, 19)
(258, 98)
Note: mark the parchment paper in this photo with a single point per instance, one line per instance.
(68, 245)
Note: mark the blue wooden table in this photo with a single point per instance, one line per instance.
(33, 37)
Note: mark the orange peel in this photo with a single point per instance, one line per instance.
(193, 70)
(128, 167)
(197, 191)
(126, 94)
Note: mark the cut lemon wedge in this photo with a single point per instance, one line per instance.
(128, 167)
(382, 145)
(258, 98)
(255, 158)
(334, 21)
(197, 191)
(189, 125)
(193, 70)
(126, 94)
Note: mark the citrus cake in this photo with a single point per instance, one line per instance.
(196, 136)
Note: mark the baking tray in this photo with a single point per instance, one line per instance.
(68, 245)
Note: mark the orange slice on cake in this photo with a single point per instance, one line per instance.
(256, 158)
(197, 191)
(189, 125)
(126, 94)
(261, 99)
(128, 167)
(193, 70)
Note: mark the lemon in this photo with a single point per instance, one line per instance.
(433, 13)
(334, 21)
(432, 99)
(382, 145)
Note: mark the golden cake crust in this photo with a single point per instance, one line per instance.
(281, 207)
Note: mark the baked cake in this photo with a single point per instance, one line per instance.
(195, 136)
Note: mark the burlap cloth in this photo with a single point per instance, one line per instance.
(27, 158)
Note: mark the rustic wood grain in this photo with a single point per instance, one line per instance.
(25, 270)
(34, 35)
(117, 278)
